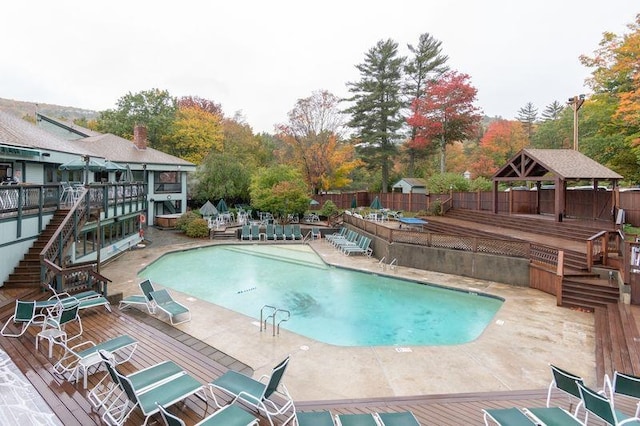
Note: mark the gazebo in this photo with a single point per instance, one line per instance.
(554, 165)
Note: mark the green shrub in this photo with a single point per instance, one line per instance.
(183, 221)
(328, 208)
(198, 228)
(435, 209)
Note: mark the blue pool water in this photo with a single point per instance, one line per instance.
(333, 305)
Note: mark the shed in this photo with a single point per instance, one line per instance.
(411, 185)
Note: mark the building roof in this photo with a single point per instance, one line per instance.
(17, 132)
(547, 164)
(414, 182)
(121, 150)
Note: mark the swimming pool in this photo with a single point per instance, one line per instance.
(333, 305)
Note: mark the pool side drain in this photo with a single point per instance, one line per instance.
(403, 350)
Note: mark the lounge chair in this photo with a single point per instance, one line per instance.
(87, 299)
(288, 232)
(568, 384)
(296, 232)
(602, 407)
(54, 326)
(231, 415)
(270, 232)
(356, 420)
(143, 299)
(108, 390)
(362, 247)
(315, 233)
(403, 418)
(255, 232)
(341, 233)
(314, 418)
(79, 359)
(246, 232)
(552, 416)
(506, 417)
(164, 392)
(279, 232)
(166, 304)
(258, 393)
(622, 385)
(25, 315)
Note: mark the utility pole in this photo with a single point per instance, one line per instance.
(576, 102)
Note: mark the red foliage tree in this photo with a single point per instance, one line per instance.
(446, 114)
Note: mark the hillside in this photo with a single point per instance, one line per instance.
(22, 109)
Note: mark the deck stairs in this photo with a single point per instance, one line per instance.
(588, 291)
(27, 273)
(224, 234)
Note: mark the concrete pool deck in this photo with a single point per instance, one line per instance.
(513, 353)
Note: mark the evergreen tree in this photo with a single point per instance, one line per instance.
(552, 111)
(377, 103)
(427, 63)
(528, 115)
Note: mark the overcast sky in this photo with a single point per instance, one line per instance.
(259, 57)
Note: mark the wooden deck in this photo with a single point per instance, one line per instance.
(158, 341)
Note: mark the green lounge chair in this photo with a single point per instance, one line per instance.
(108, 390)
(143, 299)
(279, 232)
(270, 231)
(602, 407)
(255, 232)
(258, 393)
(356, 420)
(79, 359)
(555, 416)
(296, 232)
(246, 232)
(315, 233)
(362, 247)
(231, 415)
(87, 299)
(164, 392)
(54, 326)
(25, 315)
(288, 232)
(567, 383)
(403, 418)
(314, 418)
(622, 384)
(166, 304)
(506, 417)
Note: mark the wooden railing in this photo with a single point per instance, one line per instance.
(58, 245)
(78, 277)
(601, 245)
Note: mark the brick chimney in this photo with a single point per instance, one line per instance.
(140, 136)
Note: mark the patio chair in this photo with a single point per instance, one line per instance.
(602, 408)
(279, 232)
(86, 299)
(54, 325)
(296, 232)
(552, 416)
(403, 418)
(255, 232)
(315, 233)
(25, 315)
(623, 385)
(246, 232)
(356, 420)
(79, 359)
(258, 393)
(270, 231)
(231, 415)
(341, 233)
(362, 247)
(107, 391)
(314, 418)
(288, 232)
(568, 384)
(166, 304)
(164, 392)
(506, 417)
(143, 299)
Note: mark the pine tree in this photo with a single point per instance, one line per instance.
(427, 63)
(528, 115)
(552, 111)
(377, 103)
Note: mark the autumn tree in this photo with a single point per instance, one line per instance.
(528, 115)
(156, 109)
(376, 107)
(239, 141)
(194, 133)
(501, 141)
(312, 135)
(427, 62)
(446, 114)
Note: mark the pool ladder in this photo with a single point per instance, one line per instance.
(393, 265)
(273, 313)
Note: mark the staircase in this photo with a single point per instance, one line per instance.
(588, 291)
(222, 234)
(27, 273)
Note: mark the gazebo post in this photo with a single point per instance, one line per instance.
(559, 199)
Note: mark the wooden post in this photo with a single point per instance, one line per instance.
(559, 277)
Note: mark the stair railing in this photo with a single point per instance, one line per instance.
(56, 249)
